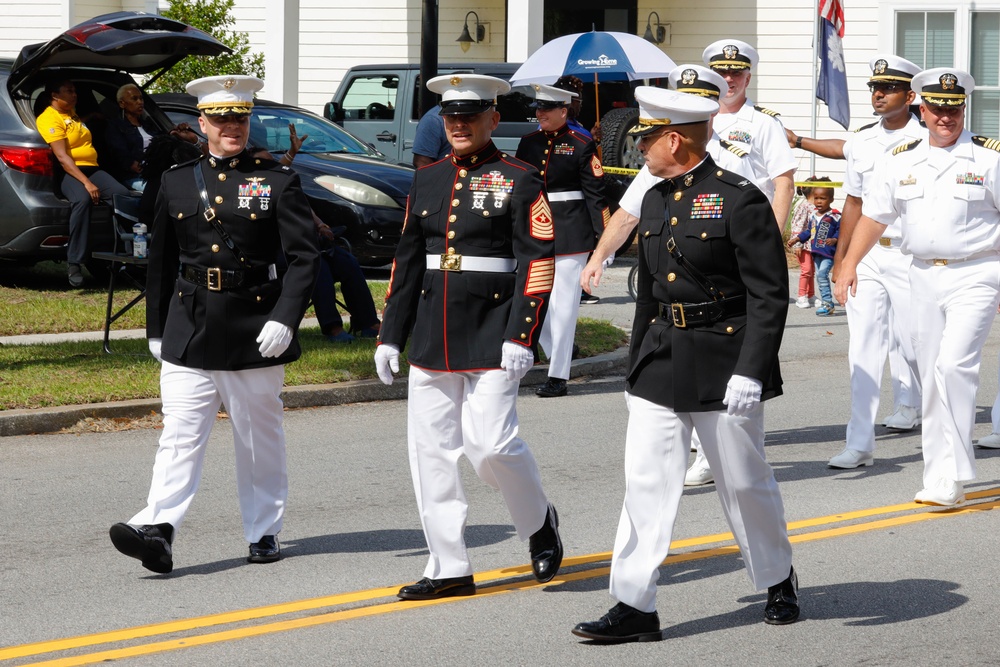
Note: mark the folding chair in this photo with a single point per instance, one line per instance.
(125, 213)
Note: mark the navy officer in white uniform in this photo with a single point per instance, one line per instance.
(710, 314)
(945, 191)
(469, 288)
(223, 323)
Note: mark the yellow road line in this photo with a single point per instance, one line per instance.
(140, 632)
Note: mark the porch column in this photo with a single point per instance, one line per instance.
(281, 51)
(524, 28)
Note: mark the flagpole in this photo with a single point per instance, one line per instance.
(815, 60)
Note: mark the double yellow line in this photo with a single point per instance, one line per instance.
(852, 523)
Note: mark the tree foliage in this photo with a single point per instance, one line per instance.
(214, 17)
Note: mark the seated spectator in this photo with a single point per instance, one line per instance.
(128, 135)
(84, 184)
(340, 266)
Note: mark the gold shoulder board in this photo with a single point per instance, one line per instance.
(865, 127)
(902, 148)
(769, 112)
(986, 142)
(733, 148)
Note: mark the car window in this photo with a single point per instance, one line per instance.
(371, 97)
(515, 107)
(269, 129)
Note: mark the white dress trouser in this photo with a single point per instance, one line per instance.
(878, 322)
(952, 310)
(191, 400)
(471, 413)
(559, 328)
(656, 452)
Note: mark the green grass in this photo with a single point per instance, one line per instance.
(38, 300)
(33, 376)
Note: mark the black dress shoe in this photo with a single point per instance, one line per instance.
(546, 548)
(150, 544)
(432, 589)
(266, 551)
(622, 624)
(554, 387)
(782, 601)
(75, 275)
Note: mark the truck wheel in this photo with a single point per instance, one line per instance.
(618, 148)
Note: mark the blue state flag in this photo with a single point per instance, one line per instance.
(832, 87)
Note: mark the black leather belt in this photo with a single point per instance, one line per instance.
(216, 279)
(685, 315)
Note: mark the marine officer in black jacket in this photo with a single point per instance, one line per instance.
(223, 323)
(710, 313)
(574, 184)
(470, 284)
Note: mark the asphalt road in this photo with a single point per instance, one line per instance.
(883, 581)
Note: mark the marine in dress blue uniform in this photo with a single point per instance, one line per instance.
(223, 323)
(573, 179)
(469, 289)
(710, 313)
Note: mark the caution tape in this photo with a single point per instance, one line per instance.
(815, 184)
(620, 170)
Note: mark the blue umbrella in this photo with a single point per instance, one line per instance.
(601, 56)
(596, 55)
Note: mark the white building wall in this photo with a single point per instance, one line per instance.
(29, 23)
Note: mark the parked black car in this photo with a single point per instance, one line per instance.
(347, 181)
(97, 56)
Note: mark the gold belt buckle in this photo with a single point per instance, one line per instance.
(677, 313)
(209, 214)
(884, 241)
(214, 278)
(451, 262)
(940, 262)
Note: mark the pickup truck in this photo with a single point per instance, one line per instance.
(379, 104)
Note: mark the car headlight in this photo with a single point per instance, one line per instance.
(357, 192)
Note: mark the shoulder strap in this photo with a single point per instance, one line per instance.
(199, 180)
(699, 277)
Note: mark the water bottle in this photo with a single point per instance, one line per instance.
(139, 240)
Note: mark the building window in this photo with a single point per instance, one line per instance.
(926, 38)
(984, 57)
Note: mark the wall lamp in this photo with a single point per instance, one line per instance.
(466, 39)
(662, 30)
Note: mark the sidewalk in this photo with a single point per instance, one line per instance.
(615, 307)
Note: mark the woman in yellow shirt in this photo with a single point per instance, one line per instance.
(85, 184)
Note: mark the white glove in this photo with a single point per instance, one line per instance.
(386, 362)
(274, 339)
(516, 359)
(154, 348)
(742, 395)
(608, 262)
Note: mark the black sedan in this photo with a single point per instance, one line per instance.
(349, 183)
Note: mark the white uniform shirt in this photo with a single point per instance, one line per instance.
(763, 136)
(947, 199)
(631, 201)
(866, 148)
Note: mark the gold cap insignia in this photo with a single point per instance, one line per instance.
(948, 81)
(730, 51)
(455, 80)
(688, 77)
(880, 66)
(229, 83)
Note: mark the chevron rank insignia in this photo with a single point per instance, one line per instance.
(541, 272)
(596, 167)
(541, 219)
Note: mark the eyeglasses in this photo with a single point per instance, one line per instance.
(886, 88)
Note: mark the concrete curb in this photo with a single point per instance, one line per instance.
(48, 420)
